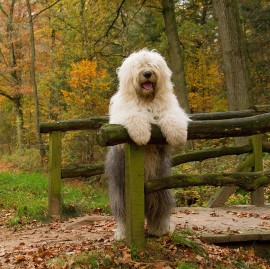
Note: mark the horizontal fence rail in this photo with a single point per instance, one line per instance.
(215, 153)
(113, 134)
(95, 123)
(88, 170)
(247, 181)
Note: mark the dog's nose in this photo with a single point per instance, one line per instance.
(147, 74)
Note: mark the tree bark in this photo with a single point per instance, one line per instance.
(16, 79)
(234, 53)
(175, 54)
(234, 56)
(33, 79)
(54, 93)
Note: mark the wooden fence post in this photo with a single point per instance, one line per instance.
(55, 174)
(134, 193)
(257, 196)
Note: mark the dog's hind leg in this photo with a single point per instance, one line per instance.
(158, 210)
(115, 171)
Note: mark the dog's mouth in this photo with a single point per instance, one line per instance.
(147, 86)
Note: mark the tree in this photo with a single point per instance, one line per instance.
(234, 53)
(87, 96)
(255, 20)
(197, 31)
(33, 78)
(175, 53)
(11, 73)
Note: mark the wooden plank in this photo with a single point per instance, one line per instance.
(222, 195)
(257, 196)
(55, 174)
(134, 193)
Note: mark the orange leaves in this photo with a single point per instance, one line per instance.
(205, 82)
(89, 90)
(83, 73)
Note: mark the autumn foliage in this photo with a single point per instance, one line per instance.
(89, 89)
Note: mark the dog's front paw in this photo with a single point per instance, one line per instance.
(139, 131)
(174, 130)
(140, 136)
(175, 136)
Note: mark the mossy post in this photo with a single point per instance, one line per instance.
(55, 174)
(257, 196)
(134, 193)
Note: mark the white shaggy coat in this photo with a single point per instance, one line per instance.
(144, 97)
(136, 114)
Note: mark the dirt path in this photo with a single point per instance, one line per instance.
(39, 241)
(36, 242)
(226, 224)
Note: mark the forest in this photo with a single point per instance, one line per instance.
(58, 60)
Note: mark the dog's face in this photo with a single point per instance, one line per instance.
(144, 73)
(146, 82)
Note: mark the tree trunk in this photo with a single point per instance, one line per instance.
(234, 55)
(175, 54)
(16, 79)
(33, 79)
(54, 94)
(17, 102)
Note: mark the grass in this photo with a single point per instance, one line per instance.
(26, 197)
(90, 259)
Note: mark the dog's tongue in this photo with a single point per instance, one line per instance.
(147, 85)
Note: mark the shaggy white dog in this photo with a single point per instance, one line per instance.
(144, 97)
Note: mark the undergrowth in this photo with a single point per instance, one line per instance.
(25, 196)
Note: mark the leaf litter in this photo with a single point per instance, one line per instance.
(78, 243)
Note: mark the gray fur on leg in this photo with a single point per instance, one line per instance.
(158, 205)
(115, 171)
(158, 208)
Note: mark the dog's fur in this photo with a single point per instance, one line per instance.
(144, 97)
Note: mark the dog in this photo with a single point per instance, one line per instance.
(144, 97)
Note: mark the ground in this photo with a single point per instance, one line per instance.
(37, 244)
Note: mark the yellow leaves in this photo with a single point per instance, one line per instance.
(88, 91)
(84, 73)
(204, 81)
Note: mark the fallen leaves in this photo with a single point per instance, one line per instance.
(84, 243)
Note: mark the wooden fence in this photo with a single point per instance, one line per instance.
(253, 122)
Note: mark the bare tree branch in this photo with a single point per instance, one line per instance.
(113, 22)
(46, 8)
(6, 95)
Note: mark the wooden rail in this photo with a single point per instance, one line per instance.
(113, 134)
(95, 123)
